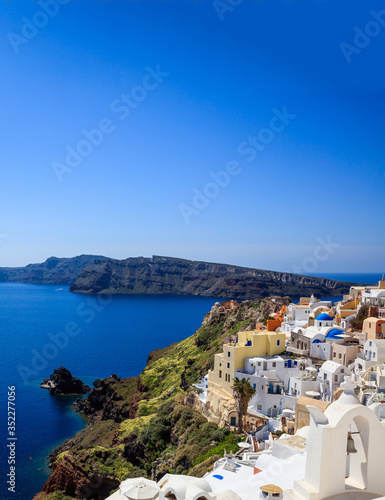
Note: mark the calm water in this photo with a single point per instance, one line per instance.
(367, 278)
(112, 337)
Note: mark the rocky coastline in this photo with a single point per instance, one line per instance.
(150, 425)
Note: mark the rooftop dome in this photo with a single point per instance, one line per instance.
(323, 317)
(347, 398)
(334, 333)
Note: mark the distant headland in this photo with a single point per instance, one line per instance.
(95, 274)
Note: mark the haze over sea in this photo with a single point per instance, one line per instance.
(115, 336)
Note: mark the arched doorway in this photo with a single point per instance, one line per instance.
(357, 458)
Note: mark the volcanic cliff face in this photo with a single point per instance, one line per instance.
(54, 271)
(71, 477)
(167, 275)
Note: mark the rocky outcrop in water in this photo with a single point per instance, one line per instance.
(168, 275)
(61, 382)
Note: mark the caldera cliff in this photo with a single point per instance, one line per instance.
(168, 275)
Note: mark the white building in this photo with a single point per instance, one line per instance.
(202, 387)
(297, 315)
(303, 341)
(374, 350)
(270, 377)
(306, 385)
(330, 376)
(373, 297)
(323, 320)
(380, 378)
(373, 354)
(275, 367)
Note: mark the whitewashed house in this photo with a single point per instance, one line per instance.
(271, 379)
(373, 354)
(296, 316)
(374, 350)
(307, 385)
(330, 376)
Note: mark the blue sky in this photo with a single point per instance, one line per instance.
(220, 78)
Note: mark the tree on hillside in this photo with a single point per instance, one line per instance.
(243, 392)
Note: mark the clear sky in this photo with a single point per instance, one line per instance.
(181, 90)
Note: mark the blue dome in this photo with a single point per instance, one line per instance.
(323, 317)
(334, 334)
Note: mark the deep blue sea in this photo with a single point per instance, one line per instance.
(43, 327)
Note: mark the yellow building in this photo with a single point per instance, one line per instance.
(249, 344)
(346, 309)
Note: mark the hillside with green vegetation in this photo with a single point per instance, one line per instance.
(143, 426)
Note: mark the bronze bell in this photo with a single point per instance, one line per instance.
(350, 446)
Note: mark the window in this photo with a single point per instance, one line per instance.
(261, 387)
(334, 354)
(228, 354)
(339, 356)
(278, 342)
(259, 407)
(335, 378)
(259, 363)
(325, 376)
(233, 421)
(220, 373)
(255, 386)
(274, 364)
(228, 365)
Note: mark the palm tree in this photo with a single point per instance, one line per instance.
(243, 392)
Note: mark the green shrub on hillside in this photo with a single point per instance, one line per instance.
(228, 444)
